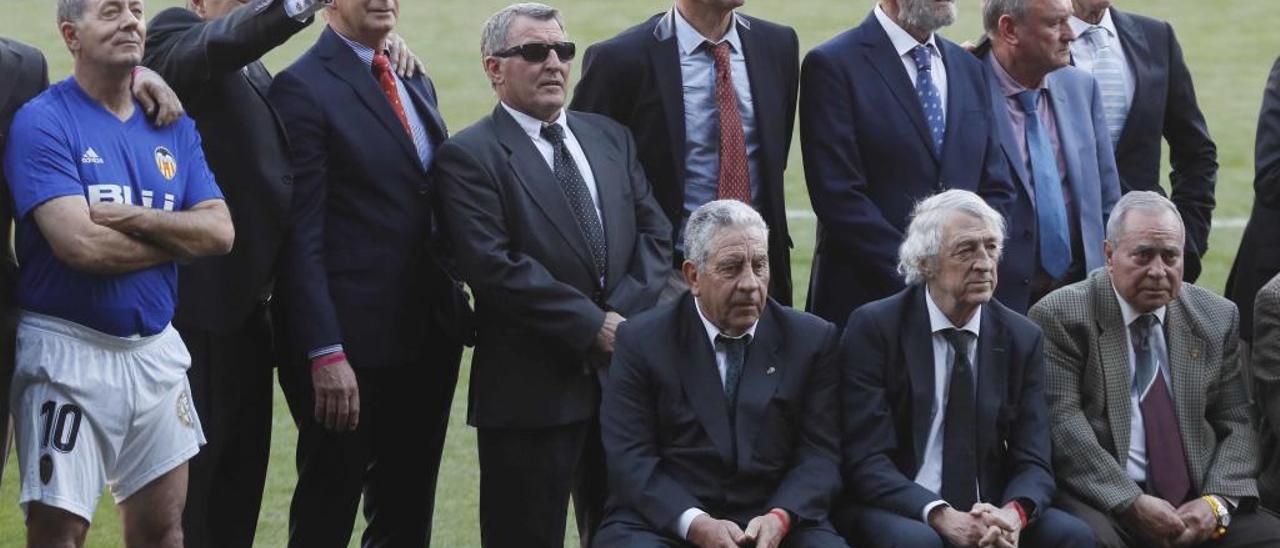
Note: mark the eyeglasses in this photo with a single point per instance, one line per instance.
(537, 52)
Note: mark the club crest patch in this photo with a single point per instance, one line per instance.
(46, 469)
(184, 409)
(167, 163)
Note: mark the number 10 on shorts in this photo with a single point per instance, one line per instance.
(61, 425)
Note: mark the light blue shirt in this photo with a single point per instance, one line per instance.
(421, 140)
(702, 117)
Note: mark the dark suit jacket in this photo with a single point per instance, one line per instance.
(635, 79)
(888, 389)
(1088, 378)
(1164, 103)
(1090, 178)
(670, 444)
(26, 75)
(360, 268)
(868, 158)
(215, 70)
(519, 247)
(1264, 361)
(1259, 256)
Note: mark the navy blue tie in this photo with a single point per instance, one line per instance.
(930, 99)
(1051, 211)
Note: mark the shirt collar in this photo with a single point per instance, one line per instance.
(713, 331)
(365, 53)
(1129, 313)
(690, 39)
(939, 321)
(902, 41)
(533, 126)
(1079, 26)
(1008, 85)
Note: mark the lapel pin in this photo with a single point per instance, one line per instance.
(771, 370)
(1195, 353)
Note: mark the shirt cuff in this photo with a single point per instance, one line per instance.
(324, 351)
(302, 10)
(1232, 502)
(686, 519)
(924, 516)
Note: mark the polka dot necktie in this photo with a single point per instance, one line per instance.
(735, 181)
(387, 81)
(575, 189)
(930, 98)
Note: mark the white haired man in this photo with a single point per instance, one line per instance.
(945, 422)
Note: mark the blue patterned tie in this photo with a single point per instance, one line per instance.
(1110, 74)
(1051, 212)
(930, 99)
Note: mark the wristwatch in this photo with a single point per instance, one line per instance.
(1222, 514)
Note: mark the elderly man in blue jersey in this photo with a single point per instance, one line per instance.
(105, 204)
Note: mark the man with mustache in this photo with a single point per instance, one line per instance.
(710, 95)
(558, 234)
(890, 113)
(1153, 440)
(1053, 133)
(946, 437)
(106, 204)
(373, 318)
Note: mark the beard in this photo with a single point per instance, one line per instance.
(927, 15)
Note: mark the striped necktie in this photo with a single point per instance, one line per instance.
(1110, 74)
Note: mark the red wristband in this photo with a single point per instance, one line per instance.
(321, 362)
(1017, 507)
(784, 517)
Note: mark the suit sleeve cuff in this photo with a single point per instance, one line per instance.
(924, 515)
(303, 10)
(686, 520)
(324, 351)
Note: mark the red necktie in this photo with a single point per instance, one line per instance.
(735, 181)
(387, 81)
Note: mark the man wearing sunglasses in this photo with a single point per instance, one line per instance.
(558, 234)
(701, 140)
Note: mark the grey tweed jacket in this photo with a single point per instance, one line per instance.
(1088, 377)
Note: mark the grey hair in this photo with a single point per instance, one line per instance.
(1138, 200)
(496, 29)
(924, 235)
(707, 221)
(70, 11)
(992, 10)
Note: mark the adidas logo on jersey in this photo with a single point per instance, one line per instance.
(90, 157)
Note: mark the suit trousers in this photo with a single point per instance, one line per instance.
(392, 457)
(876, 528)
(231, 385)
(626, 529)
(526, 478)
(1253, 529)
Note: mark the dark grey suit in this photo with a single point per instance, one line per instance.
(534, 393)
(25, 75)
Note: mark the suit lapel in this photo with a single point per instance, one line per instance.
(760, 376)
(993, 376)
(610, 174)
(343, 63)
(427, 111)
(1009, 142)
(1069, 135)
(540, 182)
(1134, 44)
(761, 71)
(664, 55)
(701, 380)
(917, 349)
(884, 58)
(1114, 344)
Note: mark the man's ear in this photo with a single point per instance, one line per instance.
(690, 272)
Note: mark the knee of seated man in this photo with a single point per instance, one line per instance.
(897, 533)
(1059, 529)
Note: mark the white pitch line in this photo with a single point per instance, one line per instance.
(1228, 223)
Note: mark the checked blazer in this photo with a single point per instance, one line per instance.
(1088, 377)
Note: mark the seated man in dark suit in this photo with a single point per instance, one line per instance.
(1155, 445)
(719, 419)
(1266, 381)
(944, 407)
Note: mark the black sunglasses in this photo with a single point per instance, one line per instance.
(536, 52)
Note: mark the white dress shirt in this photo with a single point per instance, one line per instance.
(1082, 50)
(533, 128)
(1137, 462)
(687, 517)
(904, 43)
(930, 474)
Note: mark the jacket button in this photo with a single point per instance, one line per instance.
(287, 179)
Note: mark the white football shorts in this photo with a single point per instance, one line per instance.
(93, 410)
